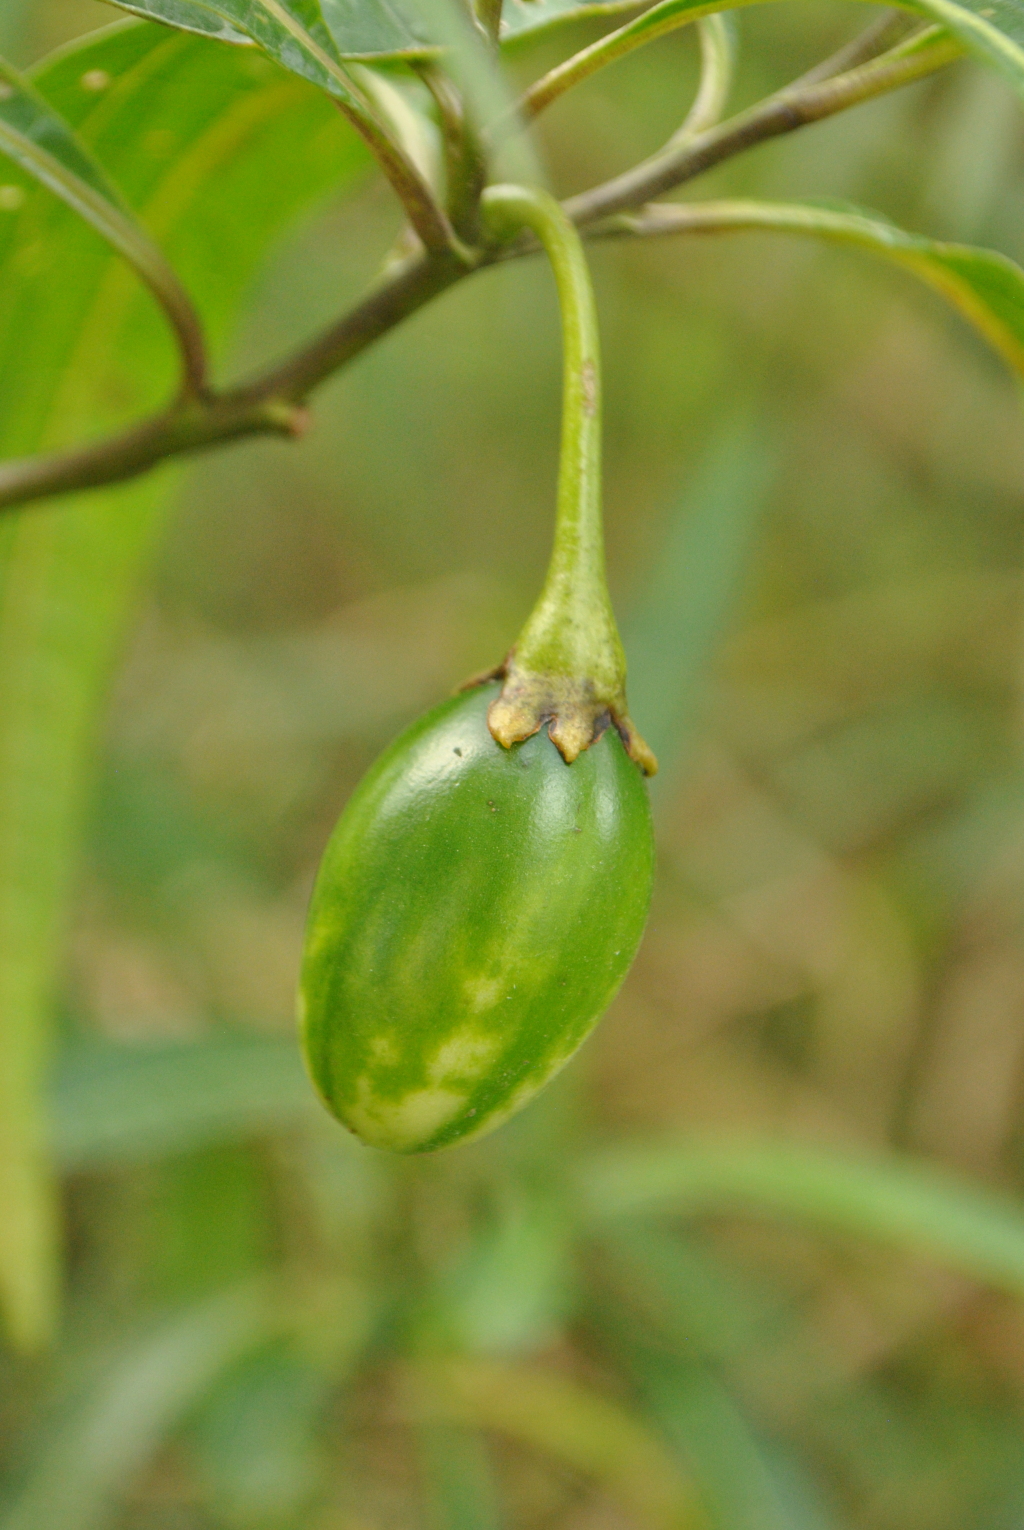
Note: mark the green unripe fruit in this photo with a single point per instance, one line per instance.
(476, 909)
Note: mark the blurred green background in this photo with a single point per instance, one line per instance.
(814, 500)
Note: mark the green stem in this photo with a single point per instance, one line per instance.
(559, 637)
(794, 107)
(567, 666)
(428, 220)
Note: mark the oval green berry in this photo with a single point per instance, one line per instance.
(476, 909)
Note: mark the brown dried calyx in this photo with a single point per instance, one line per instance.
(574, 709)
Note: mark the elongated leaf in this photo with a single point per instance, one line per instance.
(377, 28)
(732, 1466)
(512, 1290)
(111, 1434)
(985, 287)
(550, 1412)
(311, 37)
(218, 154)
(677, 1317)
(364, 29)
(691, 596)
(520, 18)
(294, 34)
(117, 1104)
(188, 16)
(673, 1291)
(458, 1484)
(254, 1439)
(40, 141)
(888, 1200)
(44, 144)
(992, 29)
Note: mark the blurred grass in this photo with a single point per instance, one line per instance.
(825, 608)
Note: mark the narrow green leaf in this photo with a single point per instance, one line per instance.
(311, 37)
(686, 605)
(734, 1470)
(680, 1320)
(992, 29)
(295, 34)
(218, 148)
(77, 1478)
(549, 1411)
(254, 1439)
(985, 287)
(63, 587)
(119, 1104)
(685, 1296)
(45, 145)
(521, 18)
(41, 142)
(458, 1483)
(367, 29)
(378, 28)
(512, 1290)
(187, 16)
(889, 1200)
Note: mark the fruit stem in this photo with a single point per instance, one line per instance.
(571, 630)
(567, 667)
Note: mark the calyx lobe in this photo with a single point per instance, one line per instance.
(575, 709)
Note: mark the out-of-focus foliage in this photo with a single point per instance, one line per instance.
(189, 131)
(815, 533)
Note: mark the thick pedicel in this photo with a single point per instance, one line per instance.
(476, 909)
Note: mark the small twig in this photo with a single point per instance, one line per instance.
(429, 220)
(159, 275)
(426, 217)
(879, 37)
(465, 166)
(728, 216)
(269, 405)
(791, 108)
(122, 232)
(272, 402)
(666, 17)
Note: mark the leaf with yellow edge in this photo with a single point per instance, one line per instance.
(987, 288)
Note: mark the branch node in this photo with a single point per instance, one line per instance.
(287, 418)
